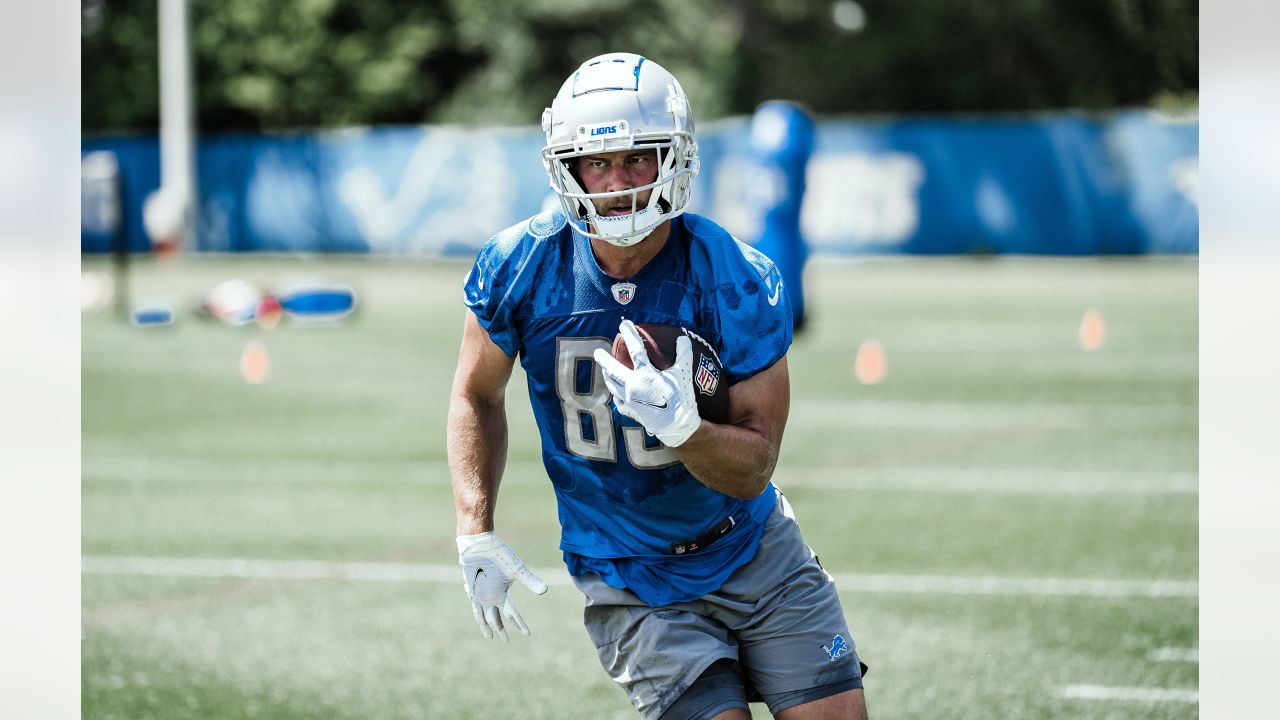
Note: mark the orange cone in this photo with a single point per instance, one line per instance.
(1093, 330)
(255, 363)
(870, 365)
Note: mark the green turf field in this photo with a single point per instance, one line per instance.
(1012, 519)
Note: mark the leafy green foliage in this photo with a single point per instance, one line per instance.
(281, 64)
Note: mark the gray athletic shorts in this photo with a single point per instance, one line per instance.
(778, 616)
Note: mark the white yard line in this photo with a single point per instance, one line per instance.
(272, 569)
(1017, 480)
(920, 479)
(907, 414)
(435, 573)
(157, 468)
(995, 585)
(1173, 654)
(1133, 694)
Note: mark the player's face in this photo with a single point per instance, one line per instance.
(610, 172)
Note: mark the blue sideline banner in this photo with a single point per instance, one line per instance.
(1060, 185)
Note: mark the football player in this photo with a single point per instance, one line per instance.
(700, 591)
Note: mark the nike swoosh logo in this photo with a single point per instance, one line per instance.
(663, 406)
(476, 579)
(777, 293)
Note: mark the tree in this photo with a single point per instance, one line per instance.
(281, 64)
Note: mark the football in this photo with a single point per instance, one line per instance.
(710, 386)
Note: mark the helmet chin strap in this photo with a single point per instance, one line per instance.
(617, 229)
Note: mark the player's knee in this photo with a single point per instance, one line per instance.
(719, 688)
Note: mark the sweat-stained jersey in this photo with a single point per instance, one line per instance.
(625, 502)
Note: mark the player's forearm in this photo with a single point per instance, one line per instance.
(477, 442)
(733, 460)
(738, 458)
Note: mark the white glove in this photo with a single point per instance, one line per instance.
(488, 568)
(663, 401)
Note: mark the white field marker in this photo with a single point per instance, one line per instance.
(1172, 654)
(449, 573)
(157, 468)
(1131, 694)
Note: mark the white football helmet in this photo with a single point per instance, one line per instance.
(618, 102)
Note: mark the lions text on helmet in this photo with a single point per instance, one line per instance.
(620, 150)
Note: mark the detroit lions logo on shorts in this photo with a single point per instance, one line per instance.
(837, 648)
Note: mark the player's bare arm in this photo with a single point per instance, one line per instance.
(737, 458)
(477, 439)
(477, 431)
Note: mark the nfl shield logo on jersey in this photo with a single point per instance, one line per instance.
(706, 378)
(624, 292)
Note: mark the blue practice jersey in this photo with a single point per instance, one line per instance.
(625, 502)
